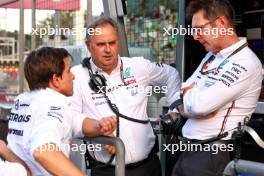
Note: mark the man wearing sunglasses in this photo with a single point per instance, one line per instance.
(221, 92)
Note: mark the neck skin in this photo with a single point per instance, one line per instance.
(108, 69)
(227, 41)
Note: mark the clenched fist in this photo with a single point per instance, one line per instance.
(107, 125)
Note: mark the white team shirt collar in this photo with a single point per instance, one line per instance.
(53, 93)
(224, 53)
(95, 68)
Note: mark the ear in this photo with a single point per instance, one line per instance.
(88, 44)
(54, 82)
(223, 21)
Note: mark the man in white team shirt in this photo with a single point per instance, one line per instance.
(223, 90)
(41, 123)
(127, 81)
(10, 164)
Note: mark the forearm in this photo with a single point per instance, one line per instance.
(105, 126)
(173, 84)
(168, 79)
(91, 128)
(9, 156)
(50, 159)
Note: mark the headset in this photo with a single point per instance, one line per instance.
(97, 82)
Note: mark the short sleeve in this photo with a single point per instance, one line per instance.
(44, 134)
(77, 123)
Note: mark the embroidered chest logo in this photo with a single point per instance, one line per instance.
(130, 79)
(208, 83)
(16, 104)
(127, 73)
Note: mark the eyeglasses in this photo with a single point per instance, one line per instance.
(199, 29)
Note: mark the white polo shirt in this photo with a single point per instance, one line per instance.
(131, 100)
(236, 86)
(38, 118)
(11, 169)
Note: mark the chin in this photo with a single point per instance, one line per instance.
(68, 94)
(109, 61)
(207, 48)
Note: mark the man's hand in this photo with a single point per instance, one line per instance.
(107, 125)
(173, 116)
(110, 149)
(104, 127)
(180, 107)
(93, 128)
(207, 116)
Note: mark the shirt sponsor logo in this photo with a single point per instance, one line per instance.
(127, 73)
(24, 105)
(133, 90)
(100, 103)
(236, 70)
(159, 65)
(16, 104)
(232, 74)
(240, 66)
(222, 64)
(208, 83)
(98, 100)
(228, 78)
(55, 115)
(132, 81)
(16, 132)
(54, 108)
(19, 117)
(213, 78)
(97, 97)
(225, 82)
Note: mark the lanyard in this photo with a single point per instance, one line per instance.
(204, 70)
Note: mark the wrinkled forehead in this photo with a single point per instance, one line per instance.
(103, 32)
(107, 34)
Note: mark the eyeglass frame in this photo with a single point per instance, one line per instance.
(195, 30)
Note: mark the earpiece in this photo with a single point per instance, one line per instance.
(97, 82)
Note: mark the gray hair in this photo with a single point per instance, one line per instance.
(101, 21)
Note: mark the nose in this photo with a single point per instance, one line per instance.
(107, 48)
(72, 75)
(196, 36)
